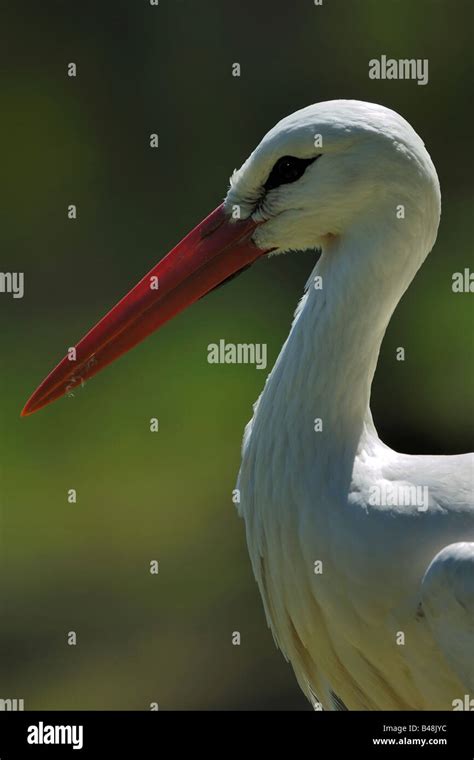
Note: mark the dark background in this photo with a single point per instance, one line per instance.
(167, 496)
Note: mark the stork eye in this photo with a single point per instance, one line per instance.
(287, 169)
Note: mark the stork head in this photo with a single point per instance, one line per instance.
(324, 170)
(313, 178)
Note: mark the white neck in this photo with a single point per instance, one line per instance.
(327, 364)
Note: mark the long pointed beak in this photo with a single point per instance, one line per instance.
(213, 251)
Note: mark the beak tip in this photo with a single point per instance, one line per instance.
(29, 408)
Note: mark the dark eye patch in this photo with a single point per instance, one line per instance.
(286, 170)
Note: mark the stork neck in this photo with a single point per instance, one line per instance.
(328, 362)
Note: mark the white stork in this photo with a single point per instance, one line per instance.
(369, 593)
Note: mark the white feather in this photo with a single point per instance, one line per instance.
(368, 628)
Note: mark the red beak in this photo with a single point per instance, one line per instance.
(213, 251)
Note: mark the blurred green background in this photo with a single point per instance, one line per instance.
(167, 496)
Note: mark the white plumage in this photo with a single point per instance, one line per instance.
(389, 622)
